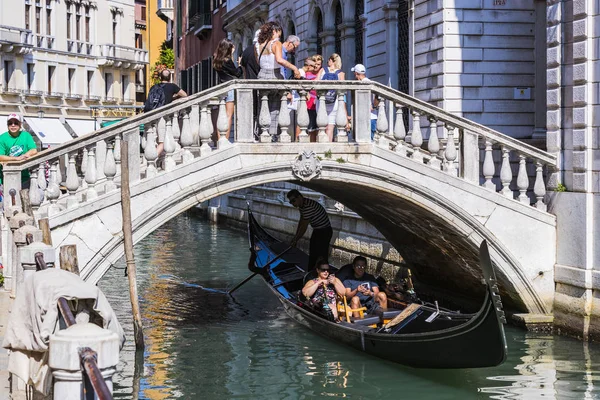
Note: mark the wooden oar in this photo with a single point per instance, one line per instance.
(408, 311)
(255, 273)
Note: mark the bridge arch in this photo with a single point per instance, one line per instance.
(437, 236)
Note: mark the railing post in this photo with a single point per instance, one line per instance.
(27, 255)
(133, 139)
(362, 115)
(244, 116)
(12, 180)
(20, 240)
(470, 157)
(64, 359)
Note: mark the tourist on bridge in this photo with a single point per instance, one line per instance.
(313, 213)
(159, 95)
(289, 47)
(16, 145)
(270, 60)
(227, 71)
(332, 72)
(249, 59)
(362, 288)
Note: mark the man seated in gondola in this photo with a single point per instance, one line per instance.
(323, 290)
(362, 288)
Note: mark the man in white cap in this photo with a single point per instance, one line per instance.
(249, 60)
(360, 73)
(16, 145)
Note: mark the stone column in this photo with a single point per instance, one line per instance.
(64, 357)
(311, 46)
(348, 47)
(328, 38)
(391, 41)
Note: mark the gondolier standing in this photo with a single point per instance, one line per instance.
(313, 213)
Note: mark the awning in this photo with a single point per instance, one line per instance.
(82, 126)
(50, 131)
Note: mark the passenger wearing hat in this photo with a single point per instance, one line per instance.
(360, 73)
(16, 145)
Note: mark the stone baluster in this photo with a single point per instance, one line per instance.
(488, 166)
(117, 153)
(302, 118)
(195, 124)
(150, 152)
(84, 158)
(205, 131)
(59, 177)
(41, 176)
(36, 195)
(100, 159)
(223, 126)
(162, 129)
(284, 120)
(90, 175)
(382, 125)
(400, 131)
(322, 118)
(417, 137)
(176, 131)
(264, 119)
(169, 146)
(539, 188)
(341, 118)
(186, 139)
(523, 180)
(110, 168)
(433, 144)
(450, 153)
(506, 173)
(53, 191)
(72, 183)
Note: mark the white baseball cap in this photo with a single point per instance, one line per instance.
(14, 116)
(359, 68)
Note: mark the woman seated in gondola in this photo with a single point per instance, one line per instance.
(321, 291)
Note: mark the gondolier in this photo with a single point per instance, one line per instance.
(313, 213)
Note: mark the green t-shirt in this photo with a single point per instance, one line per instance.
(14, 147)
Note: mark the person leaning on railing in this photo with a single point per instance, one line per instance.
(16, 145)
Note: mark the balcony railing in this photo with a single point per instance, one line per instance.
(202, 24)
(80, 47)
(44, 41)
(32, 93)
(165, 9)
(92, 99)
(16, 36)
(109, 53)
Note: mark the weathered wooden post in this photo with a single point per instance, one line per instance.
(68, 258)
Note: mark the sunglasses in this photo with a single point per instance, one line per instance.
(324, 269)
(360, 266)
(10, 123)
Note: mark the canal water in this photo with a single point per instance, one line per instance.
(201, 344)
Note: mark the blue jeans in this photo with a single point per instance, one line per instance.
(373, 128)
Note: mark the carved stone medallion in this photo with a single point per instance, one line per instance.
(307, 166)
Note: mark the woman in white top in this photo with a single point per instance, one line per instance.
(270, 58)
(333, 71)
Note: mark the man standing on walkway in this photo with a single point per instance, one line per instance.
(249, 59)
(289, 47)
(313, 213)
(360, 73)
(16, 145)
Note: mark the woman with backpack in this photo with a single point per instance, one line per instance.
(227, 71)
(332, 72)
(270, 58)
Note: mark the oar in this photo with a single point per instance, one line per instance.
(255, 273)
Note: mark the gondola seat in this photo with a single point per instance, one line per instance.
(367, 320)
(386, 314)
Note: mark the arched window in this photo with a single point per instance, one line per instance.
(319, 32)
(359, 31)
(338, 32)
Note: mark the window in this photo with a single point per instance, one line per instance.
(78, 25)
(30, 76)
(143, 13)
(108, 82)
(9, 69)
(51, 70)
(49, 22)
(71, 80)
(139, 44)
(114, 27)
(87, 24)
(27, 16)
(38, 21)
(90, 82)
(125, 86)
(69, 18)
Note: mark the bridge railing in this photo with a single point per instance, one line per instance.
(197, 125)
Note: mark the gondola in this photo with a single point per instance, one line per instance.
(424, 337)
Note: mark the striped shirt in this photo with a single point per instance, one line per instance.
(315, 214)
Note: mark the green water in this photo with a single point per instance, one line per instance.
(201, 344)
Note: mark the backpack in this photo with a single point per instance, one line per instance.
(330, 96)
(156, 97)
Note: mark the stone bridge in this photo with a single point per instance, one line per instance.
(435, 185)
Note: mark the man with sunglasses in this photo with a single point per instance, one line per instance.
(313, 213)
(16, 145)
(362, 288)
(289, 47)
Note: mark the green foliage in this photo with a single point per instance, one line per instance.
(340, 160)
(560, 188)
(166, 60)
(327, 154)
(1, 279)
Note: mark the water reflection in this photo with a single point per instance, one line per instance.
(203, 344)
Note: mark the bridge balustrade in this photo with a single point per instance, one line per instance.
(405, 125)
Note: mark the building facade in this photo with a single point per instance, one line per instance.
(63, 58)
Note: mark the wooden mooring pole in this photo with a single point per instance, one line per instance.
(128, 242)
